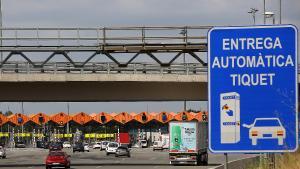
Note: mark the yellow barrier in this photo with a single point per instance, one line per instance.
(22, 134)
(38, 135)
(4, 134)
(67, 135)
(98, 135)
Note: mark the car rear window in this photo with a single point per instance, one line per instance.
(113, 145)
(267, 123)
(144, 142)
(123, 148)
(105, 143)
(56, 154)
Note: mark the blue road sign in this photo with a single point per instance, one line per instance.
(252, 79)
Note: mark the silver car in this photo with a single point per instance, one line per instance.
(122, 151)
(2, 152)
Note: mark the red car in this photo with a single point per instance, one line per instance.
(58, 159)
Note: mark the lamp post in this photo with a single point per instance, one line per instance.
(183, 32)
(279, 11)
(270, 15)
(68, 107)
(264, 11)
(1, 53)
(253, 12)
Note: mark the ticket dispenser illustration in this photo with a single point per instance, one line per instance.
(230, 117)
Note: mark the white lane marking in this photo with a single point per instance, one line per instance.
(233, 161)
(98, 166)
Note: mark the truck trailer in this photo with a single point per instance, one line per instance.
(188, 142)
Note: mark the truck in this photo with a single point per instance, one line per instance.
(165, 139)
(162, 143)
(188, 142)
(123, 139)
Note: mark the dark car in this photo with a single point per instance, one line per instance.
(55, 146)
(122, 151)
(40, 144)
(20, 144)
(58, 159)
(46, 145)
(78, 147)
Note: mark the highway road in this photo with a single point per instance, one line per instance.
(140, 158)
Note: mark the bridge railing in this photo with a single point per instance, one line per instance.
(102, 36)
(103, 68)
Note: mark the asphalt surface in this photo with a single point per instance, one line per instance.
(140, 158)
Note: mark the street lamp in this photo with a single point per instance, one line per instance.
(270, 15)
(1, 53)
(253, 12)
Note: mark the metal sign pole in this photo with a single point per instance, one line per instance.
(226, 161)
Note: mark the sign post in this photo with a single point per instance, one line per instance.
(253, 89)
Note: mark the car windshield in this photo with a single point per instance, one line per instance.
(86, 144)
(113, 145)
(56, 154)
(123, 148)
(20, 142)
(66, 142)
(267, 123)
(144, 141)
(105, 143)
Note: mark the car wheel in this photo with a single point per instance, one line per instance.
(107, 154)
(4, 157)
(48, 167)
(128, 155)
(116, 155)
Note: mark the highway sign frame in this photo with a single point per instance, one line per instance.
(216, 146)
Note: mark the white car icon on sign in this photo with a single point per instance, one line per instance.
(266, 128)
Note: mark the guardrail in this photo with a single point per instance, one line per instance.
(103, 68)
(102, 36)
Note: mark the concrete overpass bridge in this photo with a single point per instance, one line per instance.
(104, 64)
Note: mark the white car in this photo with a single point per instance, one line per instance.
(67, 144)
(266, 128)
(86, 147)
(157, 145)
(103, 145)
(2, 152)
(111, 148)
(144, 143)
(96, 145)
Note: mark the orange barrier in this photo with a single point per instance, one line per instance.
(61, 118)
(3, 119)
(164, 117)
(103, 118)
(18, 119)
(143, 117)
(184, 116)
(40, 118)
(123, 118)
(83, 118)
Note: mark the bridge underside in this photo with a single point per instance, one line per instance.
(101, 91)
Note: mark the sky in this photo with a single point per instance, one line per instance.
(104, 13)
